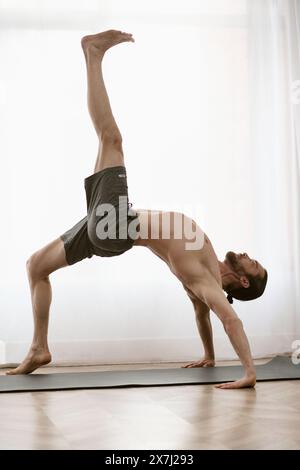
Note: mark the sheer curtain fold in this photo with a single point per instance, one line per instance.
(274, 69)
(291, 11)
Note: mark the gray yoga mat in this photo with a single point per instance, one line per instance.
(279, 368)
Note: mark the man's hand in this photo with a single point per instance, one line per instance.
(245, 382)
(202, 363)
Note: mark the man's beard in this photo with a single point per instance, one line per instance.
(231, 259)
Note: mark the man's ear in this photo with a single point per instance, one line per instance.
(245, 282)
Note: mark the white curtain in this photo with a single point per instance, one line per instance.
(207, 100)
(274, 87)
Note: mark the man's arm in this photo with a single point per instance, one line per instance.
(205, 332)
(214, 298)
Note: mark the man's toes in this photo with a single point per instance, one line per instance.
(127, 36)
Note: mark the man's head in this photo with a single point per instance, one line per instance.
(245, 279)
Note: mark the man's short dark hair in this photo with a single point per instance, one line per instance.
(256, 289)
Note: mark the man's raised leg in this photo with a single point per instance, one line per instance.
(110, 140)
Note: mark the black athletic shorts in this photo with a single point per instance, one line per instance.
(105, 229)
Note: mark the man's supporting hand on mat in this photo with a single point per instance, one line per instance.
(205, 362)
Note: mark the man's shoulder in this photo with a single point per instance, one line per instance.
(204, 279)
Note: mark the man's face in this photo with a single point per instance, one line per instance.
(241, 263)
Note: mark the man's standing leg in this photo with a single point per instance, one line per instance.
(39, 266)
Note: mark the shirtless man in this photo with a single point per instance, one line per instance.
(109, 212)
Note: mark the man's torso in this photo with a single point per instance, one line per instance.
(189, 254)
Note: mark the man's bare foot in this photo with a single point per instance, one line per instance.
(99, 43)
(34, 359)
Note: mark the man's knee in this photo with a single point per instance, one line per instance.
(112, 138)
(34, 267)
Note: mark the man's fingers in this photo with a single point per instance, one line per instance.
(245, 382)
(219, 385)
(226, 385)
(204, 363)
(194, 364)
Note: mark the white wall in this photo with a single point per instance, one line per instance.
(181, 97)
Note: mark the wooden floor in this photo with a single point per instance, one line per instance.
(173, 417)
